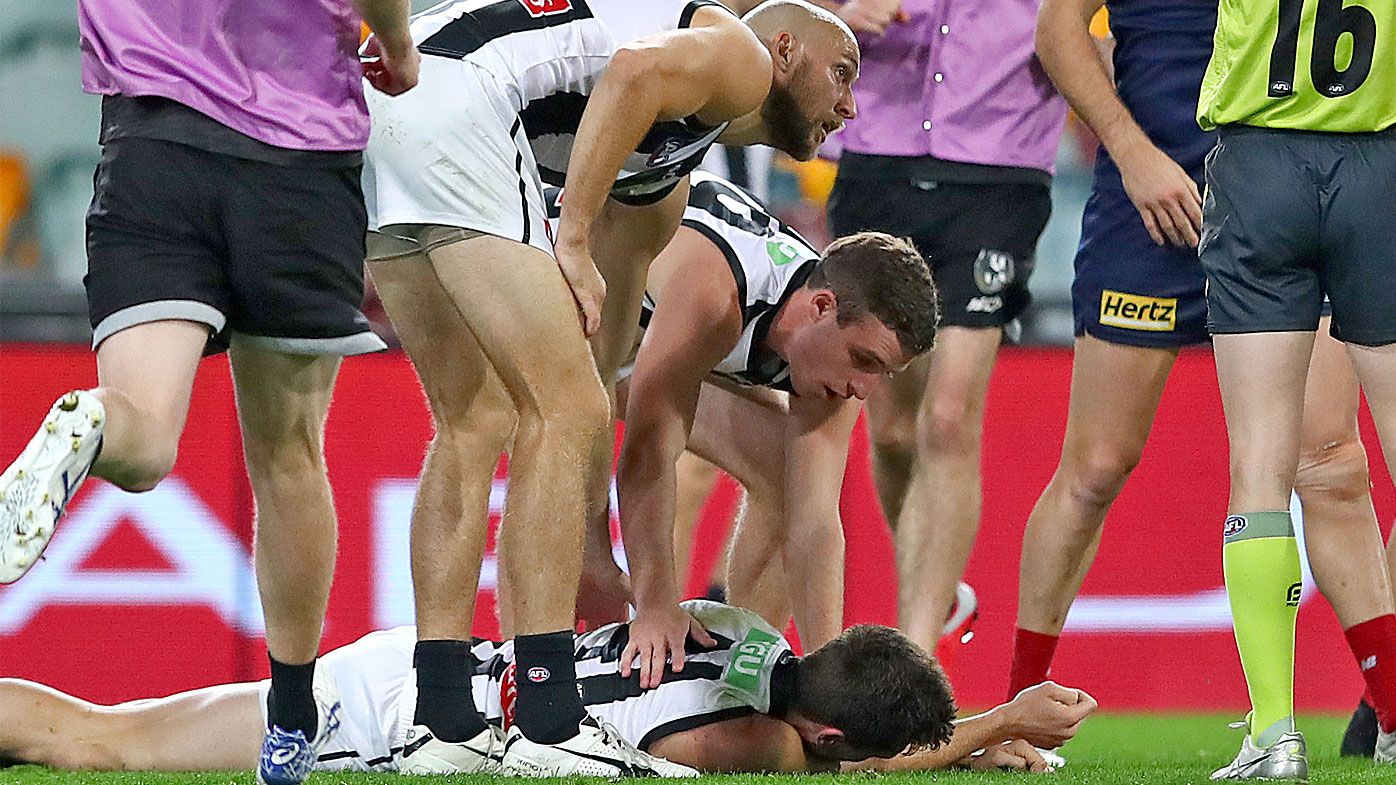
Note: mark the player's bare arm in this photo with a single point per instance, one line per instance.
(394, 62)
(1044, 716)
(756, 743)
(1166, 197)
(668, 76)
(816, 448)
(690, 332)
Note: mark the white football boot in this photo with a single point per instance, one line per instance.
(596, 751)
(36, 488)
(423, 753)
(1386, 748)
(1286, 759)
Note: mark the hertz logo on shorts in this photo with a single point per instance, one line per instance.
(1137, 312)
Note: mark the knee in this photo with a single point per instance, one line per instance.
(1333, 473)
(949, 426)
(1098, 472)
(285, 457)
(141, 473)
(472, 427)
(573, 410)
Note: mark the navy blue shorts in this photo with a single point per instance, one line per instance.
(1127, 289)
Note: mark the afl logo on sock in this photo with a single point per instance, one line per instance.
(1235, 524)
(538, 674)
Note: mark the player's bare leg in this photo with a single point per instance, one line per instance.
(1107, 426)
(892, 407)
(1340, 526)
(212, 729)
(940, 516)
(745, 438)
(516, 303)
(126, 430)
(146, 402)
(473, 420)
(627, 239)
(282, 402)
(756, 577)
(1262, 376)
(1376, 369)
(694, 483)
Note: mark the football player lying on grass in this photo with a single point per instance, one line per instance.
(870, 699)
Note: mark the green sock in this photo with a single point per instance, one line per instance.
(1260, 559)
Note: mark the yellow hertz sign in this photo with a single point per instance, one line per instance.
(1137, 312)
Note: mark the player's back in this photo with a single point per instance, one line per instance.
(1314, 65)
(734, 679)
(539, 48)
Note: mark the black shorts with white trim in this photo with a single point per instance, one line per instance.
(272, 253)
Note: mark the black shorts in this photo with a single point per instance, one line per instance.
(1291, 216)
(980, 239)
(272, 253)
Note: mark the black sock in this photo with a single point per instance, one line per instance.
(548, 709)
(445, 703)
(291, 700)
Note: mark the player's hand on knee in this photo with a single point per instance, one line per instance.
(588, 287)
(1047, 715)
(1165, 195)
(657, 637)
(1015, 755)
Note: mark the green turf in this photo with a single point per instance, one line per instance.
(1118, 749)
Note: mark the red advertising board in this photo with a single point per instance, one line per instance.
(145, 594)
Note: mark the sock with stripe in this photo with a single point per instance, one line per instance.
(548, 709)
(445, 704)
(1373, 644)
(1260, 559)
(1032, 658)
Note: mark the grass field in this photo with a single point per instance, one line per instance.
(1117, 749)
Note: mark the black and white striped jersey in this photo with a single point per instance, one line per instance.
(547, 56)
(735, 679)
(769, 261)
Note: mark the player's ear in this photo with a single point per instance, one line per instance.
(784, 52)
(825, 302)
(828, 736)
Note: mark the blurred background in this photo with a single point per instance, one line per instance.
(48, 150)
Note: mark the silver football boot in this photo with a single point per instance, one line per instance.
(1286, 759)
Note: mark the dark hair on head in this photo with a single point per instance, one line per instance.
(884, 692)
(876, 274)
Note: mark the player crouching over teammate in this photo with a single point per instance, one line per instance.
(754, 349)
(868, 699)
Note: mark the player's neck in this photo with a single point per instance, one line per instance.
(783, 686)
(745, 130)
(782, 328)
